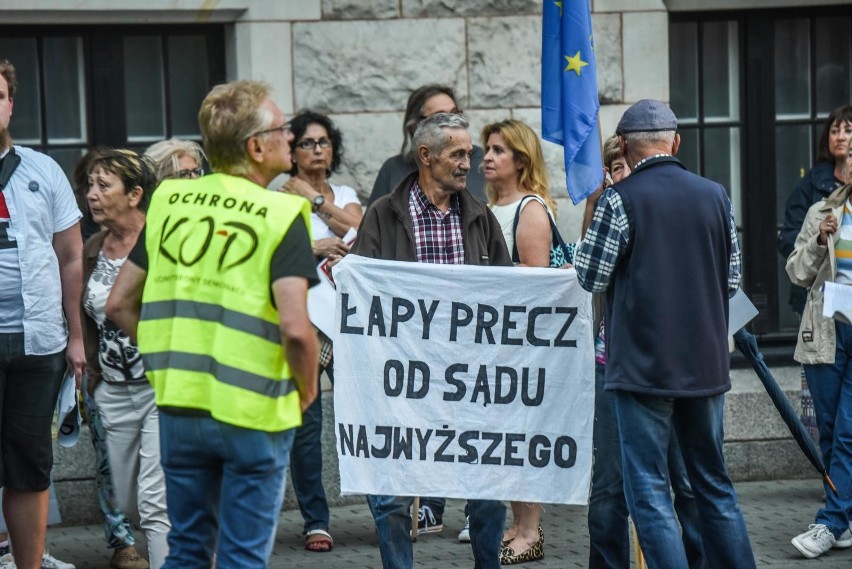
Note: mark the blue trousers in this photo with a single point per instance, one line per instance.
(645, 424)
(609, 536)
(225, 485)
(393, 526)
(831, 389)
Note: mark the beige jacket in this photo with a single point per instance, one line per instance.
(810, 265)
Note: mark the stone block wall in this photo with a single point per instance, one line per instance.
(360, 59)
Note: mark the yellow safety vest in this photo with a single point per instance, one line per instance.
(209, 333)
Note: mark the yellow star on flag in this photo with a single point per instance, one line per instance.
(560, 8)
(575, 64)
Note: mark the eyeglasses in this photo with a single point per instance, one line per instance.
(283, 129)
(310, 143)
(189, 174)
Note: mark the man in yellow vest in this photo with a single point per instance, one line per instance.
(215, 289)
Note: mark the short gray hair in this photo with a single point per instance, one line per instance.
(164, 156)
(666, 136)
(431, 132)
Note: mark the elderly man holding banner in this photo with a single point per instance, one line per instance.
(452, 355)
(432, 218)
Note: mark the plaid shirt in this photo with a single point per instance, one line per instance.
(607, 239)
(437, 235)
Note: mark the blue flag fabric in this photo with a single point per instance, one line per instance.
(569, 93)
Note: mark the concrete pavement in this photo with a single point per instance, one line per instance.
(775, 512)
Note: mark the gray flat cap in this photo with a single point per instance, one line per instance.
(647, 115)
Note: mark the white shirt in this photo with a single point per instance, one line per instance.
(343, 195)
(505, 215)
(41, 204)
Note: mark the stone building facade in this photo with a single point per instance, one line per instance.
(358, 60)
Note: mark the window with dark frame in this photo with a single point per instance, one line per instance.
(752, 90)
(86, 86)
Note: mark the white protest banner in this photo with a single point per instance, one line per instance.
(463, 381)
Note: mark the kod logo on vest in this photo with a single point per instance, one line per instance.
(185, 241)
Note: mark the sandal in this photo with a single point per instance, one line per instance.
(318, 541)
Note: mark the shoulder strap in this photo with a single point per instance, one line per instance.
(556, 238)
(10, 164)
(515, 258)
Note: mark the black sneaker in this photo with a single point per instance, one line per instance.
(428, 522)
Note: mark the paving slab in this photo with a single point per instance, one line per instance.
(775, 512)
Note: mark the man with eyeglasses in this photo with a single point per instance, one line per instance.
(424, 102)
(221, 281)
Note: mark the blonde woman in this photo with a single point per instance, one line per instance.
(519, 197)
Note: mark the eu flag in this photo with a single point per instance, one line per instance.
(569, 93)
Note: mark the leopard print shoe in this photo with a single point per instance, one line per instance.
(534, 553)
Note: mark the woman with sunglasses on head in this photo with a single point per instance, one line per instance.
(176, 158)
(317, 149)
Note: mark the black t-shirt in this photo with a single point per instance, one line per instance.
(292, 258)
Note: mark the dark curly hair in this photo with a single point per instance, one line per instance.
(839, 116)
(300, 123)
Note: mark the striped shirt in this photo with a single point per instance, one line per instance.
(843, 247)
(437, 235)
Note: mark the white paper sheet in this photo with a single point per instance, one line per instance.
(321, 298)
(837, 303)
(741, 311)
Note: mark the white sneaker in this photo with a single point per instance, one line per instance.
(464, 534)
(7, 562)
(48, 561)
(814, 542)
(845, 539)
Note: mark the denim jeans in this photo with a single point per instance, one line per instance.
(831, 389)
(225, 485)
(645, 424)
(393, 527)
(609, 541)
(306, 469)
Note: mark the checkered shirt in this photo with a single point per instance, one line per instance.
(437, 235)
(326, 349)
(607, 238)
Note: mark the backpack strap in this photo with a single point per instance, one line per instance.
(9, 165)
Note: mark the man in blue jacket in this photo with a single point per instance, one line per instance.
(663, 247)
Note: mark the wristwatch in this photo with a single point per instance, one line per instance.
(317, 202)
